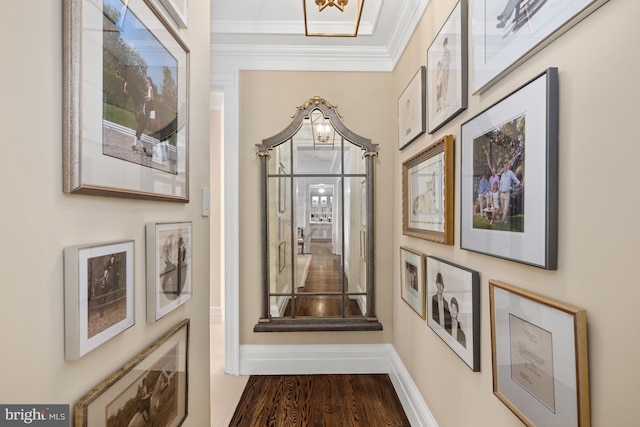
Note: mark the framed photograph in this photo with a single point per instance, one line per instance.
(513, 141)
(507, 32)
(169, 257)
(427, 193)
(540, 362)
(411, 109)
(447, 69)
(151, 389)
(453, 293)
(178, 10)
(98, 295)
(412, 279)
(126, 102)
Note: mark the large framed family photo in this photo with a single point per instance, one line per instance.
(126, 101)
(149, 390)
(427, 193)
(540, 357)
(453, 297)
(447, 69)
(412, 276)
(513, 141)
(98, 295)
(507, 32)
(169, 267)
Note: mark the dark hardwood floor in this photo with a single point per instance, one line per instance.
(324, 275)
(319, 400)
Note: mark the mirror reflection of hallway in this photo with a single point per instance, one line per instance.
(324, 274)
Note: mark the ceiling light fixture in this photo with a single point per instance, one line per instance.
(336, 21)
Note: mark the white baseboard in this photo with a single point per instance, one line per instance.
(216, 314)
(339, 359)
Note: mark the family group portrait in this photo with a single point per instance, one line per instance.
(498, 177)
(140, 92)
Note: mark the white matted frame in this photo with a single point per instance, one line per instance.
(520, 129)
(540, 359)
(124, 135)
(411, 109)
(178, 10)
(412, 277)
(169, 267)
(453, 296)
(447, 69)
(508, 32)
(160, 373)
(98, 295)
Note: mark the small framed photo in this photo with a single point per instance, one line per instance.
(427, 193)
(453, 293)
(411, 109)
(98, 295)
(447, 69)
(540, 362)
(126, 103)
(507, 33)
(149, 390)
(412, 280)
(513, 142)
(169, 269)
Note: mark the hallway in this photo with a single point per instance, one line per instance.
(324, 276)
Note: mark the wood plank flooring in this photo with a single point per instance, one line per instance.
(319, 400)
(324, 275)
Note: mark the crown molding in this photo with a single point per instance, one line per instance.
(297, 57)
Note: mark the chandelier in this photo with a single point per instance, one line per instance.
(336, 20)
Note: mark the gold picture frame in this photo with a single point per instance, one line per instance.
(125, 398)
(539, 357)
(427, 193)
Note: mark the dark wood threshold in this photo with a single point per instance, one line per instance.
(317, 324)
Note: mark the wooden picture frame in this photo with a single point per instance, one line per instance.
(520, 129)
(411, 109)
(412, 276)
(150, 388)
(453, 295)
(169, 260)
(447, 69)
(427, 193)
(506, 34)
(98, 295)
(126, 84)
(540, 357)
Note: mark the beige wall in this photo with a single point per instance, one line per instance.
(598, 231)
(39, 221)
(268, 101)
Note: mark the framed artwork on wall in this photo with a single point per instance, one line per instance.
(453, 295)
(513, 221)
(447, 69)
(412, 279)
(427, 193)
(126, 89)
(508, 32)
(98, 295)
(169, 267)
(540, 362)
(411, 109)
(150, 389)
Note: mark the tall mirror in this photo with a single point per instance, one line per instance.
(317, 225)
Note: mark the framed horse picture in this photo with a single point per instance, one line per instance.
(427, 193)
(126, 101)
(150, 390)
(98, 295)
